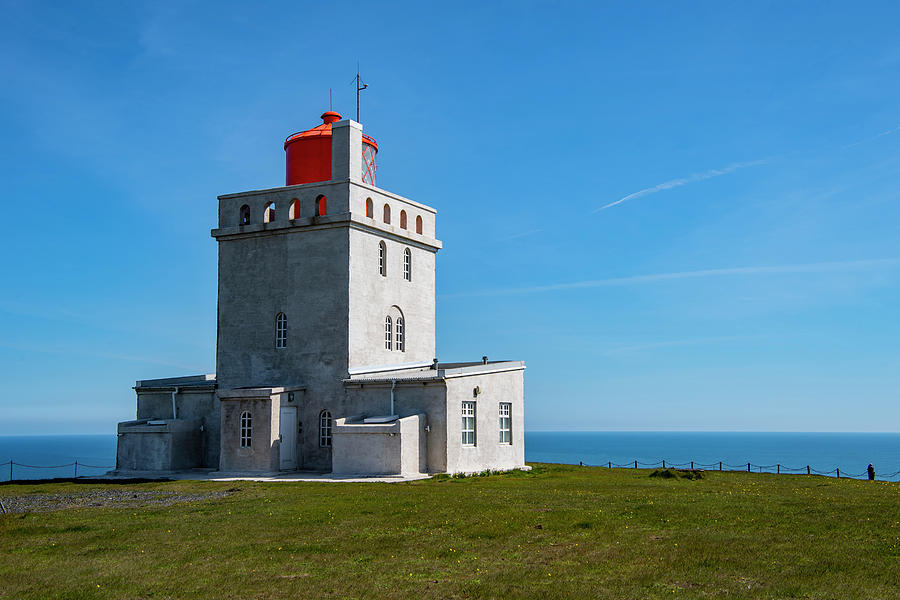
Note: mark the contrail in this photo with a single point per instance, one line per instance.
(682, 181)
(820, 267)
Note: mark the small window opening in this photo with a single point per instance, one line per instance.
(407, 265)
(388, 337)
(382, 259)
(294, 212)
(387, 214)
(245, 215)
(400, 336)
(325, 429)
(281, 331)
(246, 429)
(419, 225)
(269, 214)
(402, 219)
(370, 208)
(321, 206)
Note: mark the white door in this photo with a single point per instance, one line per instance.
(288, 437)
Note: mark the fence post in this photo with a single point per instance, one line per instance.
(610, 464)
(10, 469)
(720, 465)
(748, 467)
(807, 469)
(779, 468)
(838, 473)
(664, 464)
(692, 465)
(635, 464)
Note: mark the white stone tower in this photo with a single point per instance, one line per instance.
(310, 274)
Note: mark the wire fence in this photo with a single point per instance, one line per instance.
(13, 470)
(776, 469)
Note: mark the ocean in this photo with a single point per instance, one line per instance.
(768, 452)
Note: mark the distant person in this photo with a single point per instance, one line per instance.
(871, 472)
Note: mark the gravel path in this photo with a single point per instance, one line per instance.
(103, 498)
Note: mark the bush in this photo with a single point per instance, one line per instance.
(691, 474)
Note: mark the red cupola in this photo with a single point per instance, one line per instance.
(308, 154)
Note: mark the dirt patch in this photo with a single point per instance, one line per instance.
(100, 499)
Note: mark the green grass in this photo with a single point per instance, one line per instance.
(557, 532)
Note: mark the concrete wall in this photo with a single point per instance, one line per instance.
(364, 449)
(169, 445)
(303, 274)
(337, 203)
(200, 405)
(410, 398)
(413, 449)
(391, 448)
(488, 452)
(372, 297)
(361, 192)
(263, 455)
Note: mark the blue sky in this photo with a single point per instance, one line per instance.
(680, 216)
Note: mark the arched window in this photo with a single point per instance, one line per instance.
(370, 208)
(281, 331)
(407, 265)
(395, 330)
(245, 215)
(294, 212)
(402, 219)
(269, 213)
(325, 429)
(382, 259)
(419, 225)
(387, 214)
(246, 429)
(321, 206)
(400, 335)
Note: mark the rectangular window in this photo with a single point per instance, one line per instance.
(325, 429)
(399, 337)
(468, 423)
(506, 423)
(246, 429)
(281, 331)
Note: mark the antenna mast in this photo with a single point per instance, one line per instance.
(360, 86)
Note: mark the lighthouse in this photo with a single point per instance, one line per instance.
(325, 349)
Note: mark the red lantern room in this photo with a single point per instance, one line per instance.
(308, 154)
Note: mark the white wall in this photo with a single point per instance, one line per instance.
(488, 452)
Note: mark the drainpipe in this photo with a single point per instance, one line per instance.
(174, 391)
(393, 385)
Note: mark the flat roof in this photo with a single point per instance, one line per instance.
(442, 372)
(206, 380)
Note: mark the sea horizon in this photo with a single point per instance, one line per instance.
(55, 455)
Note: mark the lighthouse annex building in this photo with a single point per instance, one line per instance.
(326, 339)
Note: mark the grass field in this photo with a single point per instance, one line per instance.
(556, 532)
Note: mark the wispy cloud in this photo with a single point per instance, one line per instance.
(674, 183)
(72, 351)
(872, 138)
(820, 267)
(634, 348)
(516, 236)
